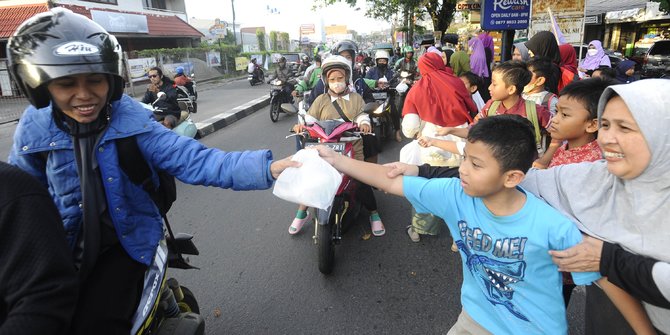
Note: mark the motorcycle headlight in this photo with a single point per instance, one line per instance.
(404, 74)
(278, 82)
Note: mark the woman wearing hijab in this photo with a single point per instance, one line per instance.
(622, 202)
(460, 61)
(625, 71)
(520, 52)
(595, 57)
(479, 67)
(543, 44)
(568, 65)
(438, 99)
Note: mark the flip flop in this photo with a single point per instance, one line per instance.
(297, 224)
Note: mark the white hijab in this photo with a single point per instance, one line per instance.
(633, 213)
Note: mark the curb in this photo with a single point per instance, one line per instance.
(222, 120)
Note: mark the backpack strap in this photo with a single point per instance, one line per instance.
(546, 100)
(493, 108)
(531, 114)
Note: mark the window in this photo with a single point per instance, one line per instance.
(111, 2)
(158, 4)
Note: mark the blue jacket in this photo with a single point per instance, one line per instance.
(136, 219)
(374, 73)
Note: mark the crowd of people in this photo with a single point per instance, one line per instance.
(547, 173)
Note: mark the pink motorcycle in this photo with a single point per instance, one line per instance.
(332, 223)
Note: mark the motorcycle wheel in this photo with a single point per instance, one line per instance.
(325, 232)
(195, 107)
(251, 82)
(189, 303)
(274, 110)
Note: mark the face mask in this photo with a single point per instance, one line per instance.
(337, 87)
(592, 52)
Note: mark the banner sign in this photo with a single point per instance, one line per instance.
(505, 14)
(139, 68)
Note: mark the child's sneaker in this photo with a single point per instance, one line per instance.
(414, 236)
(297, 224)
(376, 225)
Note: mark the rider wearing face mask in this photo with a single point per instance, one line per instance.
(337, 76)
(283, 72)
(381, 70)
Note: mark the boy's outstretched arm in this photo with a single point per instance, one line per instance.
(445, 145)
(630, 308)
(369, 173)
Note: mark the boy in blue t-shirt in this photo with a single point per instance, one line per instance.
(510, 284)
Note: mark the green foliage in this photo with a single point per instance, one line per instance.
(229, 39)
(230, 50)
(285, 40)
(273, 40)
(260, 35)
(664, 6)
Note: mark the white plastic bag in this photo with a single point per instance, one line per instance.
(313, 184)
(411, 153)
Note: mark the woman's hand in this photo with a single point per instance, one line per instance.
(277, 167)
(328, 154)
(298, 128)
(443, 131)
(425, 141)
(365, 128)
(583, 257)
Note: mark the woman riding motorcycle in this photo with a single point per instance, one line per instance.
(70, 69)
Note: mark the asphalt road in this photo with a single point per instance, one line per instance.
(257, 279)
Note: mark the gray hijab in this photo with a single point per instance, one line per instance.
(632, 213)
(523, 50)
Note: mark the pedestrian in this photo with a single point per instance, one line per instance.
(543, 44)
(504, 234)
(478, 65)
(520, 52)
(625, 71)
(69, 68)
(38, 283)
(460, 61)
(489, 48)
(627, 206)
(595, 58)
(438, 99)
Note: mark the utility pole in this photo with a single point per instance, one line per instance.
(232, 3)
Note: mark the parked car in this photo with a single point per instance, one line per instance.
(656, 62)
(293, 59)
(614, 56)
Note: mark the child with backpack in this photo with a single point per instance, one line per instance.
(507, 83)
(536, 90)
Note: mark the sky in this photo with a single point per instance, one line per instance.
(291, 14)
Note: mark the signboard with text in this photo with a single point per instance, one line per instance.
(505, 14)
(568, 15)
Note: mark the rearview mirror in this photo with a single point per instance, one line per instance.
(370, 107)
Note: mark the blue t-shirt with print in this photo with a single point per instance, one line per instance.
(510, 284)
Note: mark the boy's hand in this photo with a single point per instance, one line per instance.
(401, 169)
(365, 128)
(539, 165)
(277, 167)
(583, 257)
(328, 154)
(425, 141)
(443, 131)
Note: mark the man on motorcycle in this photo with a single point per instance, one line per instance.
(167, 105)
(407, 64)
(304, 64)
(385, 78)
(68, 140)
(180, 79)
(312, 76)
(283, 73)
(254, 69)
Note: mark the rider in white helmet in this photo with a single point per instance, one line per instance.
(337, 76)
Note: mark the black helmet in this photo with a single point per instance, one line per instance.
(345, 45)
(60, 43)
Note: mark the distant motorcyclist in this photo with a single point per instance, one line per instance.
(254, 69)
(160, 83)
(304, 64)
(311, 77)
(180, 79)
(381, 70)
(407, 63)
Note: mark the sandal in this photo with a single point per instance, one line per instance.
(377, 226)
(297, 224)
(413, 235)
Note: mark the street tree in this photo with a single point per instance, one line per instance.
(260, 36)
(273, 40)
(285, 41)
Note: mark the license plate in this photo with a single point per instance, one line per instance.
(379, 95)
(338, 147)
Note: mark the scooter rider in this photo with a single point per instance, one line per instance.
(348, 49)
(70, 70)
(254, 69)
(180, 79)
(381, 70)
(167, 105)
(407, 64)
(283, 73)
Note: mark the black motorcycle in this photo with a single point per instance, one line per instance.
(280, 93)
(258, 76)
